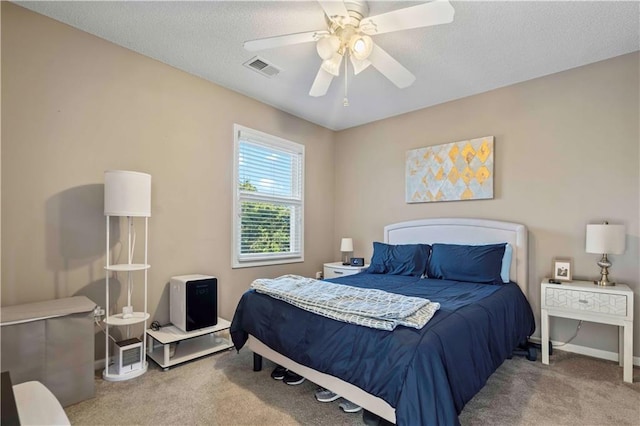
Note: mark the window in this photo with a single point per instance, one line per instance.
(268, 206)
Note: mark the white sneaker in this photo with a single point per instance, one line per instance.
(349, 407)
(325, 395)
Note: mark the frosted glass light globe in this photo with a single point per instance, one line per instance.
(332, 66)
(327, 46)
(361, 46)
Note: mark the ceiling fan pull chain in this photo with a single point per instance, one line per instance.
(345, 102)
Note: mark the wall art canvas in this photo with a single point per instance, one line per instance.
(450, 172)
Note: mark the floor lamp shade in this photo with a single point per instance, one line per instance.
(127, 193)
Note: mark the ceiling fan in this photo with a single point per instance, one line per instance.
(349, 32)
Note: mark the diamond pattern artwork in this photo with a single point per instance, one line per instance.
(450, 172)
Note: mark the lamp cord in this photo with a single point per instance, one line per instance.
(133, 242)
(132, 248)
(345, 102)
(103, 330)
(572, 337)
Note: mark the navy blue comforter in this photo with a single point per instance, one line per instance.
(428, 375)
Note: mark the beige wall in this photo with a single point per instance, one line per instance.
(566, 154)
(74, 105)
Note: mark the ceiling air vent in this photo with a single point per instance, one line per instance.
(263, 67)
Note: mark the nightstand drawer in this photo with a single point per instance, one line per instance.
(338, 272)
(337, 269)
(602, 303)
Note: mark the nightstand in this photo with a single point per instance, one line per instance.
(583, 300)
(337, 269)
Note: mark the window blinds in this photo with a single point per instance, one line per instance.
(269, 198)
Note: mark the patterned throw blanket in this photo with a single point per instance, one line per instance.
(363, 306)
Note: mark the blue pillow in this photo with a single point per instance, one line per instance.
(506, 263)
(403, 259)
(478, 264)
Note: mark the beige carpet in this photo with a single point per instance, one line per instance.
(222, 389)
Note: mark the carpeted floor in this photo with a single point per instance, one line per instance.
(222, 389)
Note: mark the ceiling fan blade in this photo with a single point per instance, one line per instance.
(321, 83)
(334, 9)
(283, 40)
(390, 68)
(423, 15)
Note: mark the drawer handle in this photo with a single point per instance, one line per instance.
(338, 272)
(583, 301)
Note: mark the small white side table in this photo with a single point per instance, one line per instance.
(583, 300)
(337, 269)
(192, 344)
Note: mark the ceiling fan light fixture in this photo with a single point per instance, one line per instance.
(332, 66)
(359, 65)
(327, 47)
(360, 46)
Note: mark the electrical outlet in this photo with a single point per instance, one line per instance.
(319, 275)
(98, 312)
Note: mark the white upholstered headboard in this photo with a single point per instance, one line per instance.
(466, 231)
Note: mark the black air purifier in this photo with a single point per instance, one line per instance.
(193, 302)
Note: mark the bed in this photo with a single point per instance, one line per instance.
(405, 376)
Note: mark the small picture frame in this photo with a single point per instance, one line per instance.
(562, 269)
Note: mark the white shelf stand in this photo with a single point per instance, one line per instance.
(126, 194)
(188, 345)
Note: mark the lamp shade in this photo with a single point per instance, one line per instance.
(332, 66)
(346, 244)
(127, 193)
(361, 46)
(605, 239)
(327, 46)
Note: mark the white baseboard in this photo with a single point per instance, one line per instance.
(584, 350)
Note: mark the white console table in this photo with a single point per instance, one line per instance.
(583, 300)
(188, 345)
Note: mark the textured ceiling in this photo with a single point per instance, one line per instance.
(488, 45)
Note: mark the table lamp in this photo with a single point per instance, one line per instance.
(605, 239)
(346, 247)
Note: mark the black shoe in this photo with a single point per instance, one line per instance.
(278, 373)
(371, 419)
(292, 378)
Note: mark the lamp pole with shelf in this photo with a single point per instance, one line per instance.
(127, 194)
